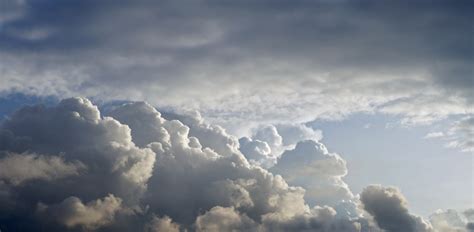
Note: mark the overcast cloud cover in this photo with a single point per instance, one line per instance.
(240, 82)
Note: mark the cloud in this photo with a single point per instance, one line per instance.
(434, 135)
(214, 57)
(162, 224)
(135, 170)
(257, 151)
(469, 213)
(72, 212)
(449, 221)
(389, 209)
(311, 166)
(267, 143)
(18, 168)
(224, 219)
(293, 133)
(461, 135)
(458, 135)
(83, 155)
(320, 219)
(214, 179)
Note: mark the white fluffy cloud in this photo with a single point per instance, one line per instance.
(311, 166)
(267, 143)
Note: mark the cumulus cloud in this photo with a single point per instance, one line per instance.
(68, 168)
(224, 219)
(389, 209)
(158, 224)
(18, 168)
(319, 219)
(267, 143)
(293, 133)
(311, 166)
(83, 155)
(72, 212)
(257, 151)
(449, 221)
(213, 179)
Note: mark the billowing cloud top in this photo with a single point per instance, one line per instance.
(68, 168)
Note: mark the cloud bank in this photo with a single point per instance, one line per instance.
(134, 170)
(257, 61)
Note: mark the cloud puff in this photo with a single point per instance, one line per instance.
(310, 165)
(72, 212)
(267, 143)
(389, 209)
(224, 219)
(257, 151)
(293, 133)
(158, 224)
(18, 168)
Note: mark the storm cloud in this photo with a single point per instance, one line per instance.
(410, 59)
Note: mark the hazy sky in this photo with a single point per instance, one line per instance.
(334, 96)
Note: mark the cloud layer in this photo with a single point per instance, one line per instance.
(134, 170)
(248, 61)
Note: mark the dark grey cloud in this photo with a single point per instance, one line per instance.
(286, 60)
(389, 209)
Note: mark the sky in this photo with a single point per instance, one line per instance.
(236, 115)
